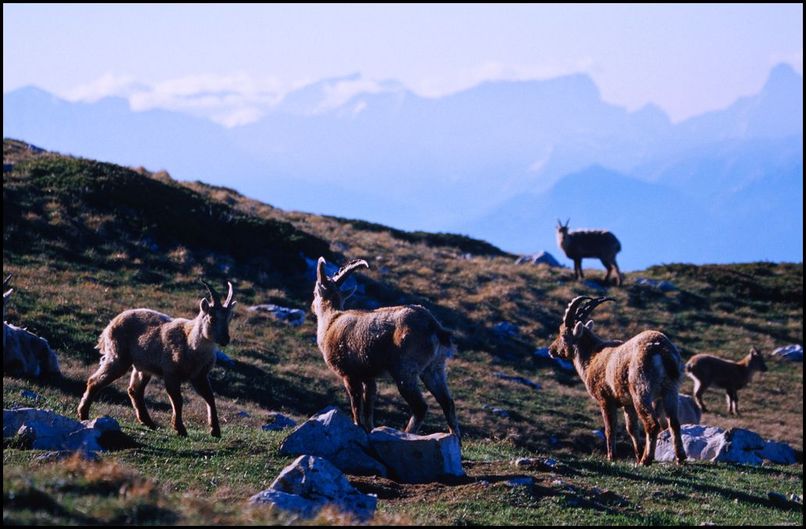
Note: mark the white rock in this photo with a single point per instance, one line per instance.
(26, 354)
(418, 458)
(736, 445)
(332, 435)
(310, 483)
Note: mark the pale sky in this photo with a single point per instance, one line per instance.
(232, 60)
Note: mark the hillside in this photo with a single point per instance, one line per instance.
(86, 240)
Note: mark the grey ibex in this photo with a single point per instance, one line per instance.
(600, 244)
(641, 375)
(707, 370)
(175, 349)
(358, 345)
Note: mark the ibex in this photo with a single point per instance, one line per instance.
(405, 341)
(578, 244)
(175, 349)
(641, 375)
(706, 370)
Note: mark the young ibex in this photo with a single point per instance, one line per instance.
(589, 243)
(641, 375)
(706, 370)
(175, 349)
(405, 341)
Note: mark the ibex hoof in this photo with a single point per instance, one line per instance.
(216, 433)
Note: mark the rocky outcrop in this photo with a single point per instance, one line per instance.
(310, 483)
(47, 430)
(418, 458)
(27, 355)
(735, 445)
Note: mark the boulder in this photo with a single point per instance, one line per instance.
(792, 352)
(47, 430)
(278, 421)
(656, 284)
(332, 435)
(735, 445)
(26, 354)
(543, 258)
(687, 410)
(222, 359)
(514, 378)
(418, 458)
(294, 317)
(505, 329)
(308, 484)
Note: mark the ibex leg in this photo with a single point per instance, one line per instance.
(631, 420)
(609, 416)
(205, 390)
(369, 397)
(109, 371)
(173, 387)
(354, 391)
(436, 382)
(671, 407)
(137, 389)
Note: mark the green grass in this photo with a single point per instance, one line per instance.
(79, 259)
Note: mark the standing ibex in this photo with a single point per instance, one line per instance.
(589, 243)
(706, 370)
(405, 341)
(641, 375)
(175, 349)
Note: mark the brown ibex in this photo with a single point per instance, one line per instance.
(706, 370)
(405, 341)
(578, 244)
(641, 375)
(175, 349)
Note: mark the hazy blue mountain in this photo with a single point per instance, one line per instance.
(496, 160)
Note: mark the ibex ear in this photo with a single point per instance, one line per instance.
(204, 305)
(579, 328)
(754, 351)
(321, 276)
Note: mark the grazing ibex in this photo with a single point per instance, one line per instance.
(706, 370)
(405, 341)
(175, 349)
(589, 243)
(641, 375)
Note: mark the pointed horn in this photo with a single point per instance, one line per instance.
(569, 317)
(321, 275)
(6, 280)
(348, 269)
(568, 220)
(213, 293)
(585, 310)
(229, 294)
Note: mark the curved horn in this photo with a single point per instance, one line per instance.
(570, 313)
(229, 294)
(6, 280)
(347, 269)
(213, 293)
(585, 310)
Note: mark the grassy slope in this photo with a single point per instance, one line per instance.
(98, 259)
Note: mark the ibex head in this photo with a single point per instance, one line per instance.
(329, 288)
(757, 360)
(562, 228)
(574, 327)
(216, 315)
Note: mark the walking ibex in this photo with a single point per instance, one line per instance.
(175, 349)
(706, 370)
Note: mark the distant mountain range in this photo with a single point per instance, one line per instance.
(501, 161)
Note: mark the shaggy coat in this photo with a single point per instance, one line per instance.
(174, 349)
(405, 341)
(707, 370)
(601, 244)
(640, 376)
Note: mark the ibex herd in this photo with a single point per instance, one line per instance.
(641, 375)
